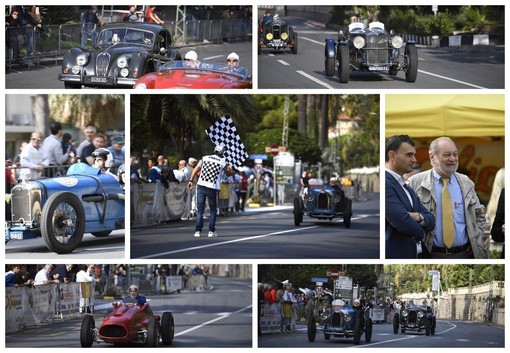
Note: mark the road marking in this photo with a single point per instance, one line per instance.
(213, 57)
(223, 316)
(315, 79)
(270, 54)
(312, 40)
(283, 62)
(242, 239)
(451, 79)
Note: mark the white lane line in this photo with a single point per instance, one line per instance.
(213, 57)
(211, 321)
(243, 239)
(313, 40)
(315, 79)
(283, 62)
(270, 54)
(451, 79)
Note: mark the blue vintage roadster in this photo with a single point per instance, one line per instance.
(322, 201)
(61, 210)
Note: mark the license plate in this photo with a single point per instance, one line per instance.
(99, 79)
(378, 68)
(16, 235)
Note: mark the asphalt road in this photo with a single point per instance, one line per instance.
(45, 75)
(220, 317)
(266, 233)
(449, 334)
(111, 247)
(438, 68)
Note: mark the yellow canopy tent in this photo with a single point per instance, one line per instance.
(453, 115)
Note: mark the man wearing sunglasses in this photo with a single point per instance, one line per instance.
(191, 59)
(233, 59)
(33, 156)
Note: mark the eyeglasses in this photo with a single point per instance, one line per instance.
(232, 61)
(36, 139)
(15, 14)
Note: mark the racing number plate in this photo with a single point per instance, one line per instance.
(99, 79)
(16, 235)
(378, 68)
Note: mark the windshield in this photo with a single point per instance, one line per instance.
(125, 35)
(206, 66)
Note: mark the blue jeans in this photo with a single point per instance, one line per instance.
(202, 194)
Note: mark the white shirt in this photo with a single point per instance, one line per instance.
(83, 276)
(54, 152)
(31, 157)
(41, 277)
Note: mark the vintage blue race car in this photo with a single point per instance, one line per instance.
(61, 210)
(340, 320)
(320, 200)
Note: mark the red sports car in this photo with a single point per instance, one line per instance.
(129, 322)
(204, 75)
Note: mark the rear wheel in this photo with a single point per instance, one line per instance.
(152, 333)
(433, 327)
(412, 63)
(87, 331)
(298, 211)
(368, 330)
(343, 63)
(395, 324)
(311, 327)
(167, 328)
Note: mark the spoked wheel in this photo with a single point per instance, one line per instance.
(412, 63)
(62, 222)
(87, 331)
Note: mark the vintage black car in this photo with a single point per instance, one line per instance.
(124, 52)
(321, 201)
(415, 318)
(277, 34)
(340, 320)
(370, 49)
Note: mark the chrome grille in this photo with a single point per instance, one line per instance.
(25, 204)
(102, 63)
(377, 49)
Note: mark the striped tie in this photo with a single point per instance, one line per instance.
(448, 225)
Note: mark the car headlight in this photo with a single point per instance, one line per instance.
(420, 314)
(308, 197)
(397, 42)
(141, 86)
(269, 36)
(358, 42)
(347, 317)
(284, 36)
(81, 59)
(122, 62)
(76, 69)
(124, 72)
(336, 198)
(404, 313)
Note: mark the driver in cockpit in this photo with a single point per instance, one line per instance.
(133, 294)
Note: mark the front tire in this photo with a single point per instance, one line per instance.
(295, 43)
(343, 63)
(87, 331)
(298, 211)
(396, 319)
(152, 333)
(330, 66)
(62, 222)
(347, 213)
(357, 329)
(412, 63)
(368, 330)
(167, 328)
(311, 327)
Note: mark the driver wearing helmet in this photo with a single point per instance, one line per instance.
(133, 294)
(191, 59)
(121, 175)
(103, 160)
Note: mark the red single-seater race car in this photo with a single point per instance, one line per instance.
(204, 75)
(129, 322)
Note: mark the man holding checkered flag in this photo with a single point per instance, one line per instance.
(229, 153)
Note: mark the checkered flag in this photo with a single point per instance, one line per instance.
(223, 132)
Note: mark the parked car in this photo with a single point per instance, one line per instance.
(277, 34)
(370, 49)
(340, 320)
(129, 322)
(415, 318)
(322, 201)
(206, 74)
(124, 52)
(62, 209)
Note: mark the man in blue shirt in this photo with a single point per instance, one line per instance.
(10, 277)
(133, 294)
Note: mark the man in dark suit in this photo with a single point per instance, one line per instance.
(407, 220)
